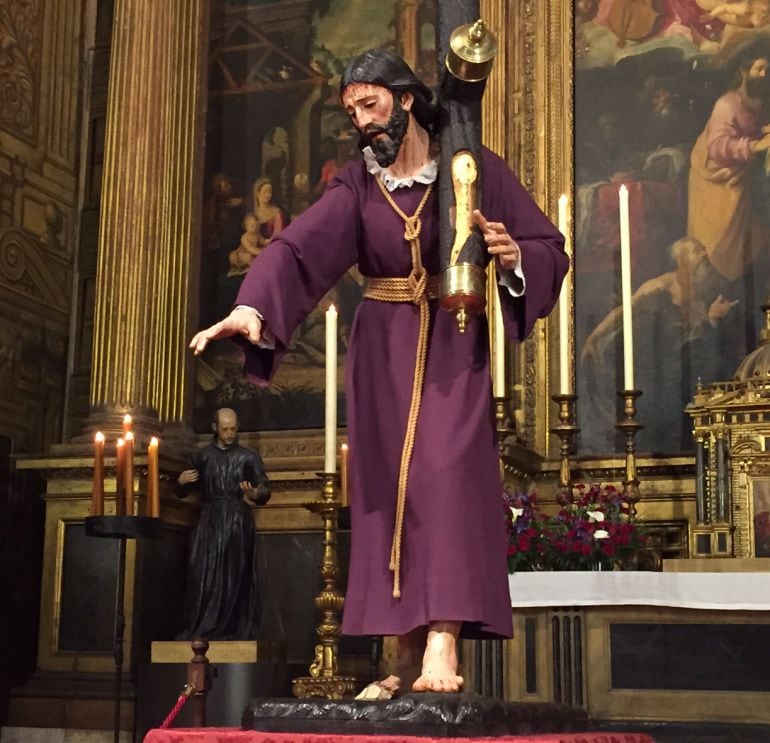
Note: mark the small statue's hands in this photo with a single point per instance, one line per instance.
(187, 477)
(241, 321)
(255, 495)
(499, 243)
(250, 493)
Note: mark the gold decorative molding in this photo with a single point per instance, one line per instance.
(528, 120)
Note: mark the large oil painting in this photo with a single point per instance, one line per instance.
(276, 135)
(671, 99)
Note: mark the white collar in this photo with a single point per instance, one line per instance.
(426, 175)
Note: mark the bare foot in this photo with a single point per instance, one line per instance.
(439, 662)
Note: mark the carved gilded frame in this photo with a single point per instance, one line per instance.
(528, 120)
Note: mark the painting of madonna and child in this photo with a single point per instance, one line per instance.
(276, 135)
(672, 98)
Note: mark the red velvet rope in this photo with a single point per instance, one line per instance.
(177, 708)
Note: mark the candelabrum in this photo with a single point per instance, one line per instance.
(566, 431)
(323, 680)
(121, 527)
(629, 427)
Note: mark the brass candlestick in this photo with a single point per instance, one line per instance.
(502, 426)
(566, 431)
(629, 427)
(323, 680)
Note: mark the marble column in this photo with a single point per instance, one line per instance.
(147, 270)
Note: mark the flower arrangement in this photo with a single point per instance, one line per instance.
(594, 532)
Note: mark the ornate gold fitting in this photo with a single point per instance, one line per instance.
(472, 50)
(463, 291)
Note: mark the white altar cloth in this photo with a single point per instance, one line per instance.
(726, 591)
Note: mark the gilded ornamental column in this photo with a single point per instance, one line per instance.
(147, 272)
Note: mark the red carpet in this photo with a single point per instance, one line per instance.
(232, 735)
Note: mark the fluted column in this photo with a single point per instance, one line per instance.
(147, 272)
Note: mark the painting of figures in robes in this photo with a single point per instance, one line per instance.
(672, 99)
(276, 135)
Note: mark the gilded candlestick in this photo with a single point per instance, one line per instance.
(629, 427)
(323, 680)
(566, 431)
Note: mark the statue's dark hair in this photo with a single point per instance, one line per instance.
(382, 67)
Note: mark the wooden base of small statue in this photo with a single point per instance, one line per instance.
(429, 714)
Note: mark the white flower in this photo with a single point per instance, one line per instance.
(516, 512)
(595, 515)
(601, 534)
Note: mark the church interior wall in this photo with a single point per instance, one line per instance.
(43, 59)
(51, 146)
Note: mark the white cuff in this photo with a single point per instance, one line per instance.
(267, 339)
(512, 279)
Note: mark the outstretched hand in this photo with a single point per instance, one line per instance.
(241, 321)
(499, 243)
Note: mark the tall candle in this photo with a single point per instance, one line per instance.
(565, 362)
(330, 450)
(153, 479)
(128, 474)
(625, 286)
(120, 466)
(344, 494)
(97, 496)
(498, 372)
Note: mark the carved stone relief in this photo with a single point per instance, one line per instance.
(20, 42)
(24, 270)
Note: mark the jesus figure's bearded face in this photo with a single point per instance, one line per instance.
(380, 118)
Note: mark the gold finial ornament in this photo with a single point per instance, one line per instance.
(472, 50)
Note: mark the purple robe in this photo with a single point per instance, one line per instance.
(453, 555)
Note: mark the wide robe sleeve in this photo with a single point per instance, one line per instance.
(288, 279)
(543, 260)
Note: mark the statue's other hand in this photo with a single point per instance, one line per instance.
(255, 496)
(499, 243)
(187, 477)
(241, 321)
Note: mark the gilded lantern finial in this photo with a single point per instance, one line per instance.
(472, 50)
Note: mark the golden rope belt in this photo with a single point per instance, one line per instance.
(398, 289)
(418, 287)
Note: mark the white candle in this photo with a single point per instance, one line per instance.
(498, 371)
(565, 371)
(330, 449)
(625, 285)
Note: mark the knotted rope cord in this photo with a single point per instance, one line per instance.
(398, 289)
(177, 708)
(417, 283)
